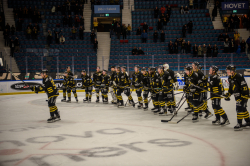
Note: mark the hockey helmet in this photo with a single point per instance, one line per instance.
(166, 66)
(188, 67)
(112, 67)
(44, 71)
(137, 66)
(196, 63)
(143, 69)
(231, 67)
(124, 67)
(83, 70)
(215, 68)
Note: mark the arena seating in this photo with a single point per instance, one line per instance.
(35, 49)
(203, 33)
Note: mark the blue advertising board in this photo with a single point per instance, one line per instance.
(234, 5)
(107, 9)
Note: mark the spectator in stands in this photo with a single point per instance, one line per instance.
(232, 46)
(226, 46)
(95, 44)
(7, 26)
(188, 47)
(169, 10)
(226, 37)
(65, 21)
(231, 25)
(73, 30)
(58, 9)
(95, 25)
(62, 39)
(176, 48)
(215, 51)
(209, 50)
(70, 21)
(145, 27)
(57, 36)
(156, 12)
(195, 50)
(30, 26)
(37, 27)
(140, 52)
(6, 34)
(12, 30)
(248, 43)
(81, 10)
(17, 45)
(171, 47)
(214, 13)
(191, 4)
(81, 33)
(28, 32)
(238, 51)
(186, 10)
(119, 30)
(190, 27)
(53, 10)
(34, 33)
(181, 10)
(236, 22)
(25, 12)
(163, 9)
(226, 24)
(221, 37)
(162, 36)
(243, 45)
(204, 49)
(134, 51)
(82, 22)
(124, 31)
(236, 36)
(19, 24)
(225, 19)
(77, 21)
(199, 51)
(144, 36)
(49, 37)
(155, 36)
(159, 25)
(183, 47)
(92, 36)
(129, 28)
(138, 32)
(162, 17)
(184, 30)
(12, 47)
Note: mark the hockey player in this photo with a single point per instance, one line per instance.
(195, 96)
(87, 85)
(146, 86)
(137, 84)
(116, 83)
(165, 93)
(70, 86)
(125, 82)
(186, 90)
(97, 80)
(170, 97)
(65, 84)
(155, 86)
(203, 84)
(112, 87)
(50, 88)
(216, 87)
(105, 86)
(238, 87)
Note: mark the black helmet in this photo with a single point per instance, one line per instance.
(137, 66)
(188, 67)
(124, 67)
(215, 68)
(196, 63)
(112, 67)
(143, 69)
(231, 67)
(152, 69)
(44, 71)
(83, 70)
(161, 67)
(200, 67)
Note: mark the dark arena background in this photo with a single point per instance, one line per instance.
(131, 66)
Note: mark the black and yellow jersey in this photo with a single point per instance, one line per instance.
(166, 83)
(193, 79)
(86, 81)
(97, 78)
(216, 86)
(137, 79)
(171, 73)
(70, 82)
(48, 86)
(155, 82)
(238, 86)
(106, 80)
(123, 79)
(145, 80)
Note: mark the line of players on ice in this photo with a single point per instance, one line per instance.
(160, 83)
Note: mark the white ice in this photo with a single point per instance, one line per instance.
(95, 134)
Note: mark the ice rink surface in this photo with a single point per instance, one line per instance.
(95, 134)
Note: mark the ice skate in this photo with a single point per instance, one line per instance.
(120, 105)
(238, 127)
(145, 108)
(208, 115)
(195, 119)
(85, 100)
(51, 120)
(68, 101)
(216, 122)
(163, 112)
(246, 125)
(140, 106)
(97, 101)
(225, 122)
(156, 111)
(63, 100)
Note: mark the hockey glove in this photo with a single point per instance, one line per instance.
(227, 97)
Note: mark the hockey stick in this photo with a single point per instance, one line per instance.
(177, 105)
(188, 113)
(18, 78)
(174, 113)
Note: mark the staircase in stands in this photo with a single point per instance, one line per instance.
(128, 5)
(217, 20)
(103, 51)
(9, 18)
(87, 17)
